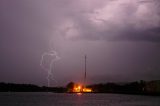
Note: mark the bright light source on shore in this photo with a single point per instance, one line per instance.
(81, 89)
(87, 90)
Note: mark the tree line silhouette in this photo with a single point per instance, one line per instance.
(12, 87)
(137, 87)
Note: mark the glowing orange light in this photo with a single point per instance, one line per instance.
(77, 88)
(87, 90)
(80, 89)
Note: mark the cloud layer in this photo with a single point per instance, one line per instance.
(113, 20)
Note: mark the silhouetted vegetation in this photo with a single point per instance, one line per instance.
(11, 87)
(70, 86)
(141, 87)
(133, 87)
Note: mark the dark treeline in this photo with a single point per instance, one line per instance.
(11, 87)
(141, 87)
(132, 87)
(137, 87)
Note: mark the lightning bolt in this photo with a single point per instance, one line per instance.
(54, 57)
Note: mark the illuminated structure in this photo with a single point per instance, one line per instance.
(78, 88)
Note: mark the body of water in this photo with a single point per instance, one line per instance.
(64, 99)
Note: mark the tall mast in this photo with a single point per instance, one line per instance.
(85, 70)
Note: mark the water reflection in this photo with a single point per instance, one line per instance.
(76, 99)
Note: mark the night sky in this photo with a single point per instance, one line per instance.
(121, 39)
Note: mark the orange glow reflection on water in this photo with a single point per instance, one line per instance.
(79, 93)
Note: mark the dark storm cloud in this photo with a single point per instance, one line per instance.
(110, 20)
(119, 20)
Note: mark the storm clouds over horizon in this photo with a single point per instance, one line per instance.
(120, 37)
